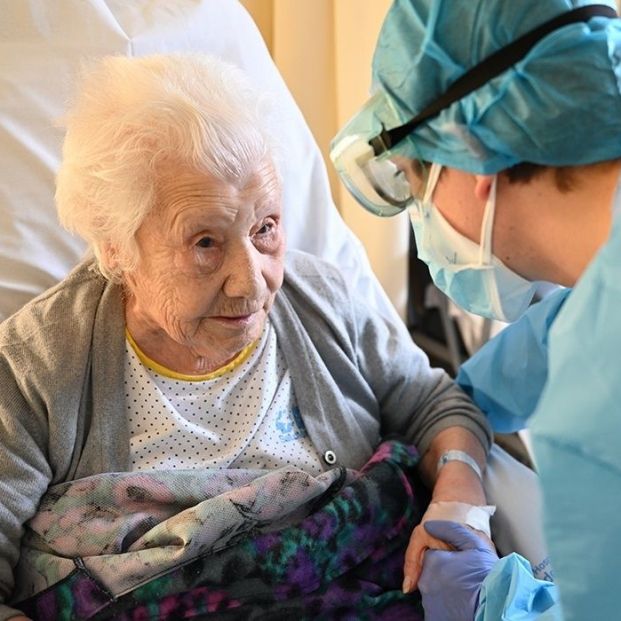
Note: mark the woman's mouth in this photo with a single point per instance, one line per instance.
(235, 320)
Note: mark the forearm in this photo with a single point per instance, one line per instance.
(456, 480)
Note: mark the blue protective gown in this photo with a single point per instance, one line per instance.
(561, 362)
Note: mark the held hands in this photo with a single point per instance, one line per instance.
(450, 581)
(458, 499)
(421, 540)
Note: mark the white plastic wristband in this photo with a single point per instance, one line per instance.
(455, 455)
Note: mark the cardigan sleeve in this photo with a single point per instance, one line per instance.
(416, 400)
(383, 382)
(44, 359)
(25, 472)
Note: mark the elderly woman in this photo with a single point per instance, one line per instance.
(191, 377)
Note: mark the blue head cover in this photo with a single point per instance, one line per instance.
(560, 105)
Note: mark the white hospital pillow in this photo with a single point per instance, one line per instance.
(43, 45)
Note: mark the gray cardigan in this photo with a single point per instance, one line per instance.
(356, 377)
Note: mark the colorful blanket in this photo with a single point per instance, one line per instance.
(234, 544)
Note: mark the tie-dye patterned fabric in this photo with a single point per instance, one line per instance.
(225, 545)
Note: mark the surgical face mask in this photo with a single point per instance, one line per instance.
(469, 274)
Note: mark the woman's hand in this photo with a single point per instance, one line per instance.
(420, 542)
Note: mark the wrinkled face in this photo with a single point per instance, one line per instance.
(211, 262)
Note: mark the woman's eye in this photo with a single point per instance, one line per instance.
(267, 228)
(205, 242)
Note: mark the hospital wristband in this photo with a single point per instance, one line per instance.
(476, 517)
(455, 455)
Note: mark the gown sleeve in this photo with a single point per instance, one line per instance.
(511, 593)
(576, 434)
(506, 376)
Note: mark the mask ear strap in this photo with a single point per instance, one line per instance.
(432, 181)
(485, 246)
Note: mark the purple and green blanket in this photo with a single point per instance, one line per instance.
(229, 545)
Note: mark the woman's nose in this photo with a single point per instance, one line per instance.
(244, 279)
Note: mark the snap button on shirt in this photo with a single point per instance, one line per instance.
(329, 457)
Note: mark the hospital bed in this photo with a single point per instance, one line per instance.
(45, 43)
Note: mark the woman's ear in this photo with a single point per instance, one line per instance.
(109, 257)
(482, 186)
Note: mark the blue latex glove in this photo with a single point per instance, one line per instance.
(451, 581)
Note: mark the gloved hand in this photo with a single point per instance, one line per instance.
(451, 581)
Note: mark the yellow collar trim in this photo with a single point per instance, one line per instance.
(166, 372)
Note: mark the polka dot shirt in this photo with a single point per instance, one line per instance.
(244, 415)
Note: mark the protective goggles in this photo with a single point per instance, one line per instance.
(376, 175)
(376, 155)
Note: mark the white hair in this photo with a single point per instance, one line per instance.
(135, 117)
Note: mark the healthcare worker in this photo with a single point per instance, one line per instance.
(497, 124)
